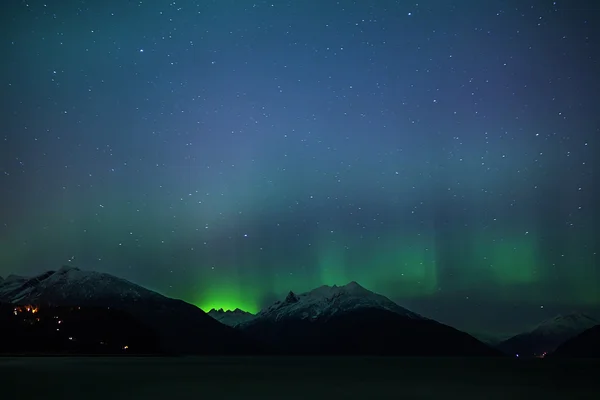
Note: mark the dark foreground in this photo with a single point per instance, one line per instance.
(295, 378)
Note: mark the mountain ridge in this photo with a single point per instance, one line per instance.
(231, 317)
(328, 320)
(326, 301)
(352, 320)
(182, 327)
(584, 345)
(548, 335)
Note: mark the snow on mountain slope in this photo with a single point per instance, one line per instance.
(351, 320)
(548, 335)
(326, 301)
(70, 285)
(231, 318)
(9, 284)
(573, 323)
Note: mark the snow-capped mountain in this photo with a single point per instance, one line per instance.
(326, 301)
(351, 320)
(71, 286)
(231, 317)
(547, 335)
(182, 327)
(561, 324)
(11, 282)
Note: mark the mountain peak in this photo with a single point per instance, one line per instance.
(222, 311)
(576, 321)
(355, 286)
(325, 301)
(231, 317)
(549, 334)
(71, 286)
(67, 268)
(180, 325)
(13, 277)
(291, 298)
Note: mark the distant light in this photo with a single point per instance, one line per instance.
(141, 50)
(517, 355)
(409, 14)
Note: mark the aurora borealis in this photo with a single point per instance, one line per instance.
(443, 153)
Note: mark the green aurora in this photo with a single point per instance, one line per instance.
(509, 267)
(258, 150)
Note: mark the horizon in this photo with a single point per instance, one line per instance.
(482, 335)
(442, 155)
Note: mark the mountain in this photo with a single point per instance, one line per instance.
(11, 283)
(231, 317)
(73, 330)
(182, 327)
(584, 345)
(491, 339)
(326, 301)
(547, 336)
(351, 320)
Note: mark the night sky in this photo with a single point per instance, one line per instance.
(226, 152)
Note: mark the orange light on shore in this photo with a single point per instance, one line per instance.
(28, 308)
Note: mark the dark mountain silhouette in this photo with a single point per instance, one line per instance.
(73, 330)
(584, 345)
